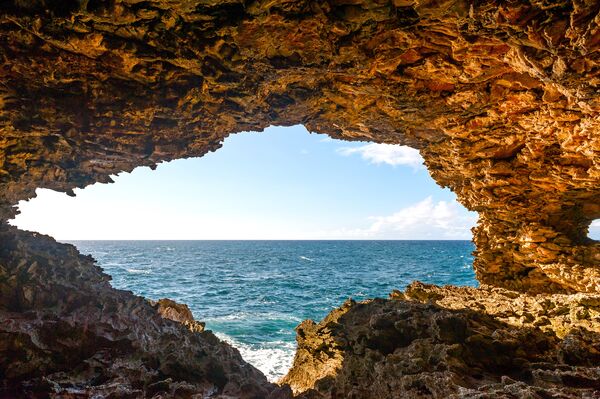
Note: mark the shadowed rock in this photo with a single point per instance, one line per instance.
(499, 97)
(65, 332)
(433, 342)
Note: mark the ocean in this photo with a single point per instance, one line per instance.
(254, 293)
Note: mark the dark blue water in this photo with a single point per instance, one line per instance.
(253, 293)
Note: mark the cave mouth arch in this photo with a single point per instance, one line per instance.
(253, 294)
(504, 119)
(499, 97)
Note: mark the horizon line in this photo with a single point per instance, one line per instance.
(266, 239)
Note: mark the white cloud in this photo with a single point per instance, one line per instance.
(421, 221)
(594, 230)
(71, 218)
(390, 154)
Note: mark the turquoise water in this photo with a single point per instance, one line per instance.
(254, 293)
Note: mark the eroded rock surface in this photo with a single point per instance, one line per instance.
(179, 312)
(433, 342)
(65, 333)
(500, 97)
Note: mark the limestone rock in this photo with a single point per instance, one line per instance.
(65, 332)
(499, 97)
(434, 342)
(179, 312)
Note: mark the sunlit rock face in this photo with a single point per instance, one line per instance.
(500, 97)
(450, 342)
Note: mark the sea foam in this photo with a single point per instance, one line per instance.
(274, 359)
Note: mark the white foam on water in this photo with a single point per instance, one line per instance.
(274, 359)
(253, 316)
(307, 258)
(138, 271)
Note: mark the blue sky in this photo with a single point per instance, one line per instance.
(283, 183)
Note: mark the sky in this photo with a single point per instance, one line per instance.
(283, 183)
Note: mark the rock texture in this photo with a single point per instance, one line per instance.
(433, 342)
(500, 97)
(179, 312)
(65, 333)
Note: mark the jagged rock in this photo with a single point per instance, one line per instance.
(65, 332)
(499, 97)
(169, 309)
(557, 313)
(450, 342)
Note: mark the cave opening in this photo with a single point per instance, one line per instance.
(272, 229)
(500, 98)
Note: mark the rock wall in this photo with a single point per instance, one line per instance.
(66, 333)
(433, 342)
(500, 97)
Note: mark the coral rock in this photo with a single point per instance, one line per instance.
(499, 97)
(449, 342)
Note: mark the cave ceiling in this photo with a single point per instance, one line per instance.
(501, 99)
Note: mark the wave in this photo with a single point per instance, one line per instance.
(165, 248)
(274, 358)
(307, 258)
(276, 316)
(138, 271)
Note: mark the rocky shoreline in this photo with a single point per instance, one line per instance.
(452, 342)
(67, 334)
(500, 98)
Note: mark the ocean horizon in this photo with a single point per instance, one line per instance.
(73, 241)
(253, 293)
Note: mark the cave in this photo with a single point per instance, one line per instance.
(264, 227)
(500, 98)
